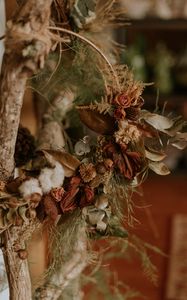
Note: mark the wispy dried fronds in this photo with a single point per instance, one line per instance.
(108, 14)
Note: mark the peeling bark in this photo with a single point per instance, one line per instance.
(69, 271)
(26, 46)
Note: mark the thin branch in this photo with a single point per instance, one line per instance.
(89, 43)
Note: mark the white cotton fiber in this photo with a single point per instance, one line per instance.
(29, 187)
(51, 177)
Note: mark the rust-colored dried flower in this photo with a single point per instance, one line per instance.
(57, 193)
(87, 197)
(122, 100)
(68, 202)
(87, 172)
(119, 113)
(50, 207)
(132, 164)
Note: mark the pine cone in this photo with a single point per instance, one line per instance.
(25, 147)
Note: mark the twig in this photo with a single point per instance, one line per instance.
(89, 43)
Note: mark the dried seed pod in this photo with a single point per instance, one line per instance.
(98, 122)
(23, 254)
(108, 163)
(101, 201)
(31, 213)
(101, 168)
(69, 162)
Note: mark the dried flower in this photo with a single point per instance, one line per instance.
(87, 172)
(122, 100)
(50, 207)
(68, 202)
(101, 168)
(119, 113)
(88, 196)
(127, 133)
(108, 163)
(57, 193)
(132, 164)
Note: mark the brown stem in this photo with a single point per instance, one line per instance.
(26, 45)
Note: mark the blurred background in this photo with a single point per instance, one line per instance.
(155, 40)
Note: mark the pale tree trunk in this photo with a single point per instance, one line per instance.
(26, 45)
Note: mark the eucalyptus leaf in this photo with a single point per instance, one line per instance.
(159, 168)
(181, 145)
(159, 122)
(179, 141)
(178, 124)
(154, 156)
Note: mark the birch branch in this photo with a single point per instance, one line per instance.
(69, 271)
(26, 45)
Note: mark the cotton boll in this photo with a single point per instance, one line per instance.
(29, 187)
(51, 177)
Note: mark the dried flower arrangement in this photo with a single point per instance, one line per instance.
(79, 186)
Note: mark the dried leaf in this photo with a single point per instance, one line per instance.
(69, 162)
(100, 123)
(178, 124)
(154, 156)
(181, 145)
(50, 207)
(159, 168)
(159, 122)
(179, 141)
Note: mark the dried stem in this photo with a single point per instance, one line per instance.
(89, 43)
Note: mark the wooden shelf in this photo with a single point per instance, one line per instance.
(158, 24)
